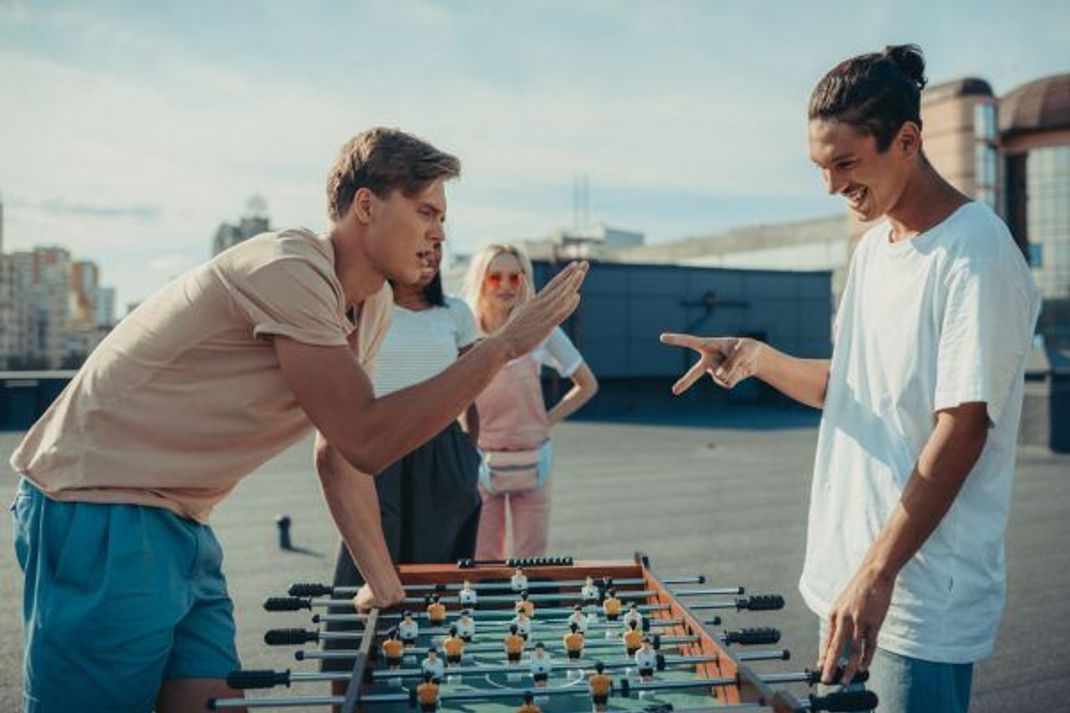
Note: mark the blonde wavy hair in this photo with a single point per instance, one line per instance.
(477, 275)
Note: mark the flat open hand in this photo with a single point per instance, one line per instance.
(728, 360)
(854, 622)
(532, 322)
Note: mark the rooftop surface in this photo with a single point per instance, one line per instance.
(726, 497)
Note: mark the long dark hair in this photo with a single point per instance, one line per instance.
(875, 93)
(433, 292)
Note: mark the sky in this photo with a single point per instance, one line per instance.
(130, 130)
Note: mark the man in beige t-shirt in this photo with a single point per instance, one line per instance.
(125, 604)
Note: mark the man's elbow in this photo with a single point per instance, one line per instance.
(360, 458)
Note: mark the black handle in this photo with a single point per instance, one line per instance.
(748, 637)
(258, 679)
(814, 677)
(290, 637)
(310, 589)
(761, 602)
(286, 604)
(715, 621)
(845, 701)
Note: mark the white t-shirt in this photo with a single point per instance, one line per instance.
(924, 324)
(422, 344)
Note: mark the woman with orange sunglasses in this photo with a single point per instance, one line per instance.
(514, 423)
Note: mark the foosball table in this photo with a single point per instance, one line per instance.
(541, 635)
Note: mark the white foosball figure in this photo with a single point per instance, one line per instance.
(578, 618)
(633, 615)
(466, 626)
(519, 580)
(467, 597)
(646, 660)
(522, 624)
(433, 665)
(408, 629)
(541, 664)
(589, 592)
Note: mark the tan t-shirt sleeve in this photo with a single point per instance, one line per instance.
(292, 297)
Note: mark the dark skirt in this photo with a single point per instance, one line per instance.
(429, 506)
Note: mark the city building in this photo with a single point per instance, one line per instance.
(594, 242)
(254, 222)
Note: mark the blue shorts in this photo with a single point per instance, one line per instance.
(117, 599)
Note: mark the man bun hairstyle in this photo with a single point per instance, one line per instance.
(383, 160)
(875, 93)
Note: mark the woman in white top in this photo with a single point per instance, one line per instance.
(428, 501)
(514, 424)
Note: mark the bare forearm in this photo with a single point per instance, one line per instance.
(354, 506)
(804, 380)
(943, 466)
(389, 427)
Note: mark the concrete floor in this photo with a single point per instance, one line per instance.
(726, 498)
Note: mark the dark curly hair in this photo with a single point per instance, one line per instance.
(876, 93)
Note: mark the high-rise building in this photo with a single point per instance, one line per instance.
(253, 222)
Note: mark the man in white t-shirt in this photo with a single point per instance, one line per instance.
(922, 398)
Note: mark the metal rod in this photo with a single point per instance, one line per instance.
(509, 599)
(532, 586)
(501, 613)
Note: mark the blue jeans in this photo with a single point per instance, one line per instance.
(904, 684)
(117, 599)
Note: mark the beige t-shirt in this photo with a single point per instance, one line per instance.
(185, 396)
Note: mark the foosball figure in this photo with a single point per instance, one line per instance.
(466, 626)
(646, 659)
(574, 646)
(525, 604)
(633, 615)
(589, 591)
(529, 704)
(633, 638)
(522, 624)
(514, 646)
(611, 605)
(392, 649)
(541, 664)
(467, 597)
(427, 694)
(408, 629)
(433, 665)
(519, 580)
(600, 685)
(436, 611)
(453, 645)
(577, 617)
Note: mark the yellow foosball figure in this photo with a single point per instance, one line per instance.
(611, 606)
(453, 645)
(633, 638)
(436, 611)
(427, 694)
(574, 642)
(600, 685)
(524, 604)
(529, 704)
(514, 645)
(392, 649)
